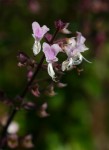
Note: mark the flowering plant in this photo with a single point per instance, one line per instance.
(71, 47)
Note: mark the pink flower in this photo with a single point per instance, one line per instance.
(38, 34)
(38, 31)
(50, 54)
(75, 46)
(73, 50)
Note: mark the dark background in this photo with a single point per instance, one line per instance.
(79, 113)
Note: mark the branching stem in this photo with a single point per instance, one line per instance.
(22, 95)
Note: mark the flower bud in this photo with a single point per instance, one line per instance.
(22, 57)
(48, 37)
(60, 24)
(29, 75)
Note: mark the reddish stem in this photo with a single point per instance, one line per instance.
(22, 95)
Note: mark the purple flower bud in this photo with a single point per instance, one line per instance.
(48, 37)
(60, 24)
(29, 75)
(22, 57)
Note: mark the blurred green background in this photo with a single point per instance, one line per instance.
(79, 113)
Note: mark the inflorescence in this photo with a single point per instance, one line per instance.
(72, 47)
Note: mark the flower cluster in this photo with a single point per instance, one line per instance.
(51, 47)
(72, 47)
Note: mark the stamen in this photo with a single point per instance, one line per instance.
(86, 60)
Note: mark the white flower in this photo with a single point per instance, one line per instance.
(73, 50)
(13, 128)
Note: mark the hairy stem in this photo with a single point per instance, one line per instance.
(22, 95)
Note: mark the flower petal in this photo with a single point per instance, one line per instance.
(78, 49)
(51, 71)
(68, 48)
(72, 41)
(86, 60)
(38, 31)
(36, 47)
(56, 48)
(77, 59)
(69, 67)
(65, 31)
(82, 48)
(80, 38)
(35, 26)
(51, 52)
(47, 50)
(45, 29)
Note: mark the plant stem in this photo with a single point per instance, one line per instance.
(22, 95)
(4, 131)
